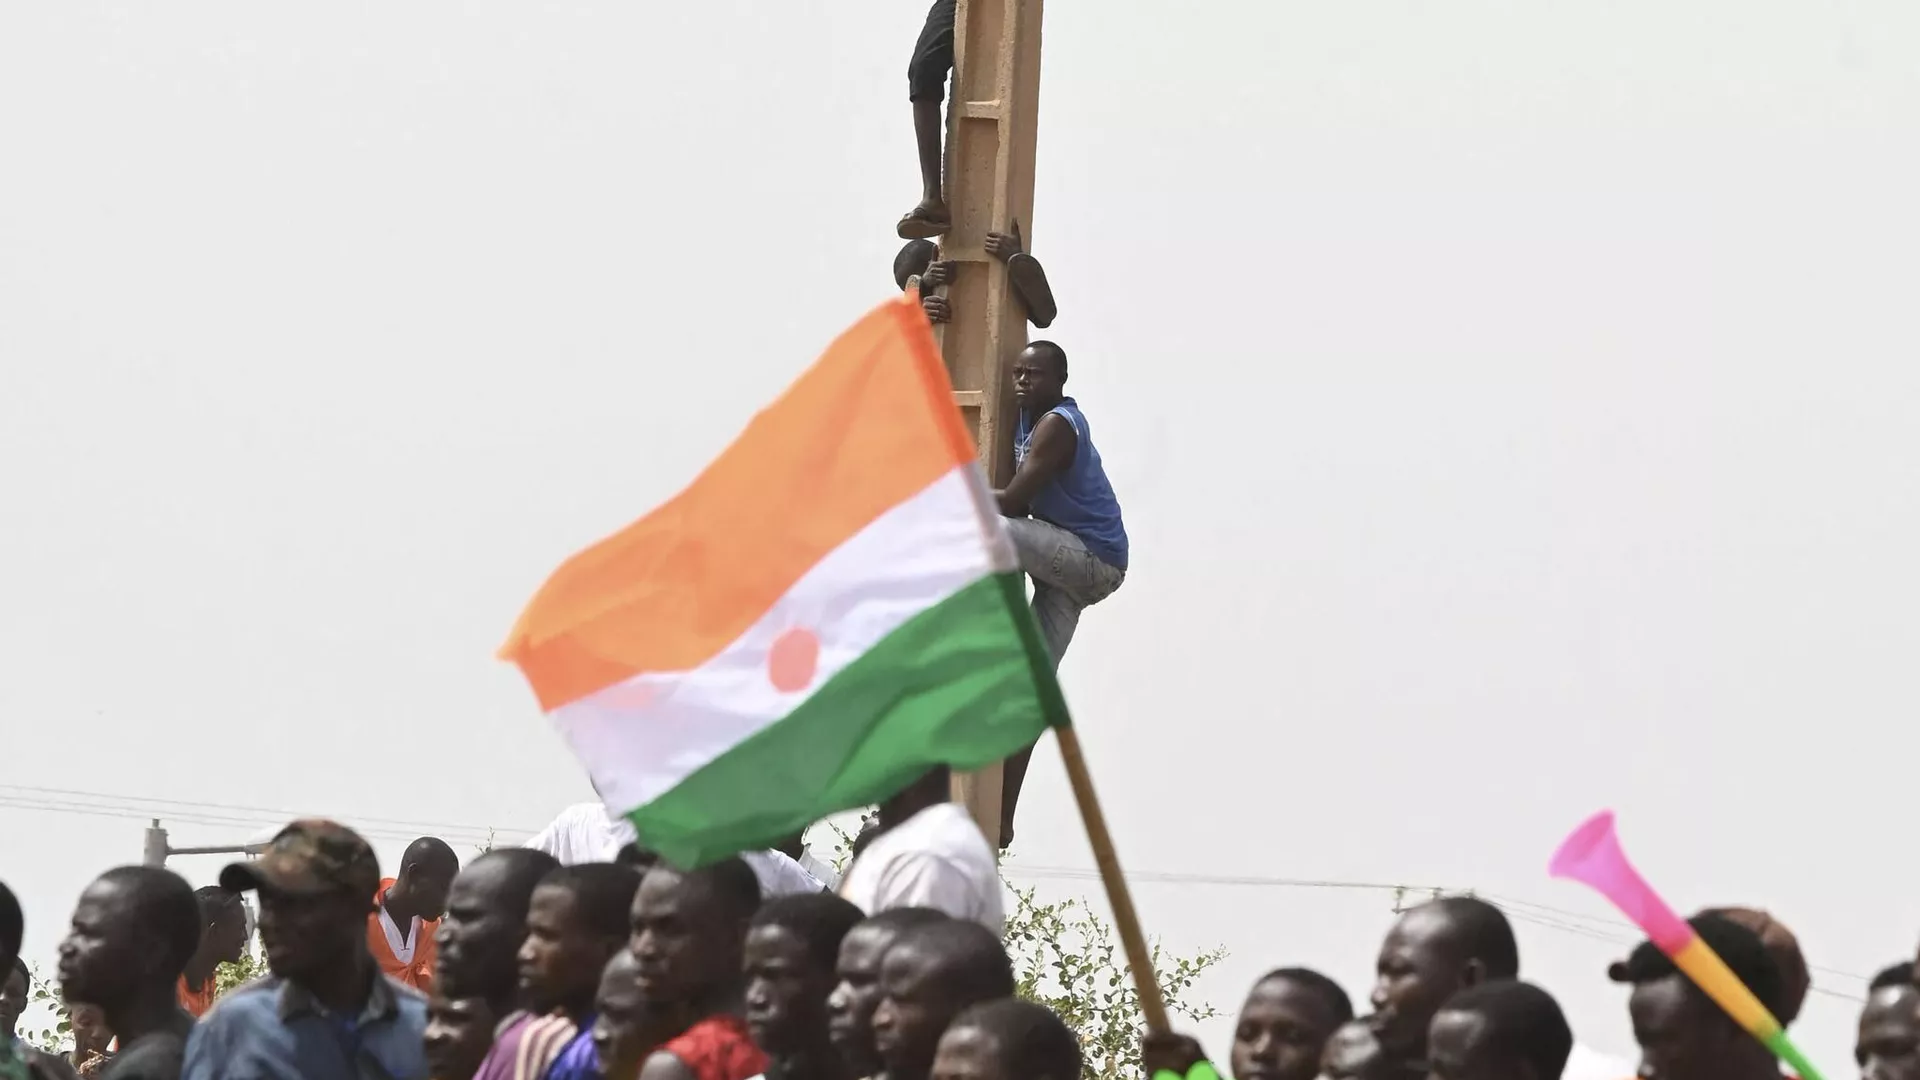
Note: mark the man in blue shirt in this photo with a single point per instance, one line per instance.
(326, 1012)
(1063, 516)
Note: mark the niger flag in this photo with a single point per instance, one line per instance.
(827, 611)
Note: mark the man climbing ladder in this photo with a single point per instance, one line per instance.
(919, 266)
(1064, 518)
(926, 88)
(977, 161)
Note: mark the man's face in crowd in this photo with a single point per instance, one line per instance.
(1352, 1053)
(103, 958)
(1416, 973)
(1889, 1042)
(626, 1029)
(90, 1034)
(1282, 1029)
(430, 888)
(1682, 1035)
(968, 1053)
(916, 1005)
(1037, 381)
(1460, 1047)
(304, 934)
(226, 939)
(459, 1033)
(681, 941)
(479, 936)
(13, 999)
(786, 991)
(850, 1006)
(560, 961)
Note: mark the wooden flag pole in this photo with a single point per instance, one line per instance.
(1139, 959)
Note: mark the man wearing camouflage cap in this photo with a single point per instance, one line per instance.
(326, 1012)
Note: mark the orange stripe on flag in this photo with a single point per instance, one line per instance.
(869, 425)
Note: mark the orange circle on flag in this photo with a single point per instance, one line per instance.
(794, 659)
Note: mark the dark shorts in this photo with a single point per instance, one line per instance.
(932, 55)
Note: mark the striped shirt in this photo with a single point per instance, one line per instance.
(526, 1047)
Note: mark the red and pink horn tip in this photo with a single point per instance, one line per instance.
(1592, 855)
(1581, 845)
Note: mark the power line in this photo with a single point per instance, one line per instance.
(1580, 924)
(1250, 881)
(278, 813)
(110, 809)
(1611, 931)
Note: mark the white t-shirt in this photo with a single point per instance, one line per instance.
(780, 875)
(402, 952)
(1586, 1064)
(938, 859)
(821, 870)
(586, 832)
(583, 833)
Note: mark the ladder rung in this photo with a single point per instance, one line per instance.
(981, 110)
(969, 399)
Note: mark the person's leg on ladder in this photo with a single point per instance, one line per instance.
(1045, 552)
(927, 86)
(1058, 615)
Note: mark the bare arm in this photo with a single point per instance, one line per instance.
(1048, 454)
(1030, 284)
(1028, 277)
(1169, 1051)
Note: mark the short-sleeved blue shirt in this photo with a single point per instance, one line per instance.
(272, 1028)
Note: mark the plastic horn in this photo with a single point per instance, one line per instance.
(1591, 855)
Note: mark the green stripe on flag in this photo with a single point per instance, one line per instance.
(964, 683)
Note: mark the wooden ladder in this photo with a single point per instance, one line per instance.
(992, 125)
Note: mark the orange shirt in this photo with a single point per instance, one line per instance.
(416, 970)
(199, 1002)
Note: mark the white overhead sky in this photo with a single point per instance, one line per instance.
(1513, 404)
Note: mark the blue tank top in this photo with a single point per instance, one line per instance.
(1079, 500)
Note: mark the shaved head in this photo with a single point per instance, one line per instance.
(426, 874)
(485, 923)
(133, 931)
(513, 871)
(431, 853)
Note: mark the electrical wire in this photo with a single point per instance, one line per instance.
(250, 824)
(275, 813)
(1579, 924)
(1604, 929)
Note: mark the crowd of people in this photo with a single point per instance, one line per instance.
(581, 955)
(525, 966)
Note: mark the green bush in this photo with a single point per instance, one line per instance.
(1067, 958)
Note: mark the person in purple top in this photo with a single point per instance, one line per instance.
(579, 1061)
(576, 922)
(1063, 516)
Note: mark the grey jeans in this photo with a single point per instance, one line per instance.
(1066, 577)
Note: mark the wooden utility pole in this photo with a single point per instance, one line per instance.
(992, 125)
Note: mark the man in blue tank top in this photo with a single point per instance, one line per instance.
(1063, 516)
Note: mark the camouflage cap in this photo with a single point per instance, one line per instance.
(309, 857)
